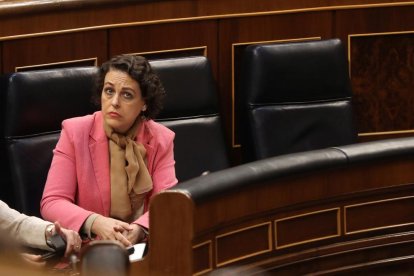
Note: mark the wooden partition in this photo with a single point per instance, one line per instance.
(379, 36)
(335, 211)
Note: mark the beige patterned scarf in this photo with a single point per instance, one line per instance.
(130, 179)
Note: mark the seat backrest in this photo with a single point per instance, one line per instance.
(104, 258)
(36, 104)
(6, 192)
(191, 111)
(295, 97)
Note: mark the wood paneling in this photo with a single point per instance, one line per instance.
(166, 37)
(381, 60)
(203, 257)
(307, 228)
(370, 216)
(257, 240)
(382, 72)
(54, 49)
(18, 18)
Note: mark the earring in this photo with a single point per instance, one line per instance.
(144, 108)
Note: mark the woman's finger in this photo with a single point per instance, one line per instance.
(119, 228)
(122, 239)
(124, 225)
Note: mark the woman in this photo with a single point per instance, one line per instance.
(106, 166)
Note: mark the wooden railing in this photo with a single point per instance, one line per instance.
(338, 210)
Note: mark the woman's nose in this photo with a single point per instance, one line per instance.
(115, 100)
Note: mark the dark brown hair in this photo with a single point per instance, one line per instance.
(139, 69)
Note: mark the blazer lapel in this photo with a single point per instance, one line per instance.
(145, 137)
(98, 146)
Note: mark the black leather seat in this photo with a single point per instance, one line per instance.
(36, 104)
(38, 101)
(295, 97)
(104, 258)
(191, 111)
(6, 191)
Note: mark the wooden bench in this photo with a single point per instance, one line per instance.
(338, 210)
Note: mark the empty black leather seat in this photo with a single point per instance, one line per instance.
(191, 111)
(36, 104)
(295, 97)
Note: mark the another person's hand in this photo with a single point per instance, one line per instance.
(111, 229)
(32, 259)
(72, 238)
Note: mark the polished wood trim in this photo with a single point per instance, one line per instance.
(397, 132)
(209, 17)
(39, 66)
(12, 7)
(382, 33)
(34, 6)
(178, 50)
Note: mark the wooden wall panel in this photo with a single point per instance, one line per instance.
(399, 212)
(257, 240)
(31, 16)
(289, 231)
(382, 71)
(236, 34)
(54, 49)
(166, 37)
(380, 45)
(202, 257)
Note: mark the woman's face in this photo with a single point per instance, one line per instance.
(121, 100)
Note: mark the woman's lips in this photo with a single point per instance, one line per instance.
(114, 115)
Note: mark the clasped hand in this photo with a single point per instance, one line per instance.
(112, 229)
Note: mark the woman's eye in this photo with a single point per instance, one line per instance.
(127, 95)
(108, 91)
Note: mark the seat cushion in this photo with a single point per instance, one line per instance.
(198, 146)
(277, 130)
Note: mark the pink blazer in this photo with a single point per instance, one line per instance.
(78, 183)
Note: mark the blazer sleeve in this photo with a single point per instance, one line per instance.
(163, 176)
(26, 230)
(59, 195)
